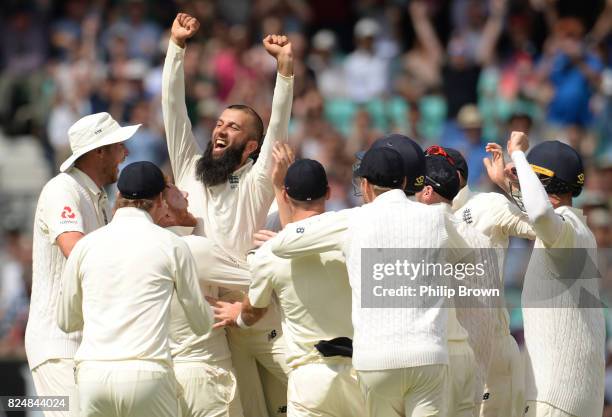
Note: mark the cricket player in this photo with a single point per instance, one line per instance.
(117, 287)
(230, 194)
(70, 205)
(441, 186)
(400, 354)
(500, 367)
(564, 332)
(315, 298)
(202, 364)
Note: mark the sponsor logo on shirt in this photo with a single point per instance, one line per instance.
(68, 216)
(299, 230)
(234, 180)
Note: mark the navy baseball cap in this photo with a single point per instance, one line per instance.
(460, 163)
(383, 167)
(442, 176)
(306, 180)
(560, 164)
(413, 159)
(140, 180)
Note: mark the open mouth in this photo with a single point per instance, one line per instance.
(220, 145)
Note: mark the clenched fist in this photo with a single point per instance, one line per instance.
(183, 28)
(280, 48)
(518, 142)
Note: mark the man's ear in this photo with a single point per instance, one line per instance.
(328, 193)
(251, 146)
(285, 196)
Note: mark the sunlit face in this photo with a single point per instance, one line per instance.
(232, 129)
(112, 156)
(176, 199)
(178, 208)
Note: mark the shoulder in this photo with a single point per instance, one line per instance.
(60, 184)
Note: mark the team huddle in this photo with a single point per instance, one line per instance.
(230, 291)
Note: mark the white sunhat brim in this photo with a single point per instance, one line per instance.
(120, 135)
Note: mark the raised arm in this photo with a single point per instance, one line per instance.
(182, 147)
(425, 31)
(279, 47)
(547, 225)
(283, 157)
(491, 31)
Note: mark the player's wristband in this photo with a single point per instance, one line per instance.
(240, 323)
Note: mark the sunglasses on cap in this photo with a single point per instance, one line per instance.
(439, 151)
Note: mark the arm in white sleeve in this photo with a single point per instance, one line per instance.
(70, 306)
(546, 223)
(278, 128)
(323, 233)
(182, 148)
(198, 312)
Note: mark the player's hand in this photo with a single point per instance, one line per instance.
(283, 156)
(518, 142)
(495, 165)
(262, 236)
(183, 28)
(225, 313)
(279, 47)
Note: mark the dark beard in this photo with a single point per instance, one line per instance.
(214, 171)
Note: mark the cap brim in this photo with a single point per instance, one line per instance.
(121, 135)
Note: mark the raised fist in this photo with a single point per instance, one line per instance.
(183, 28)
(277, 45)
(518, 142)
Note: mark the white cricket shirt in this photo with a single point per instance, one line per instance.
(384, 338)
(228, 213)
(117, 287)
(313, 292)
(69, 202)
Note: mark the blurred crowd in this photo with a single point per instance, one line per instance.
(458, 73)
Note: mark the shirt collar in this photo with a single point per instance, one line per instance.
(462, 198)
(181, 230)
(86, 182)
(133, 213)
(390, 196)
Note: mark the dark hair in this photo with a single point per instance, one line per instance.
(257, 122)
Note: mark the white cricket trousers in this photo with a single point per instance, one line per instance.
(56, 377)
(504, 394)
(419, 391)
(462, 379)
(127, 389)
(326, 389)
(541, 409)
(208, 389)
(259, 356)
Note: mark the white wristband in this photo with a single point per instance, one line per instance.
(240, 323)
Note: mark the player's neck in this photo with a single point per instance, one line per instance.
(96, 176)
(301, 214)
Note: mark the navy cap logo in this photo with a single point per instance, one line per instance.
(419, 181)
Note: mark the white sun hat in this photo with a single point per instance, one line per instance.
(92, 132)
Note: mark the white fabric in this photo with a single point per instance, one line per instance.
(565, 364)
(496, 218)
(229, 213)
(56, 377)
(538, 206)
(126, 388)
(313, 293)
(70, 202)
(117, 287)
(390, 221)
